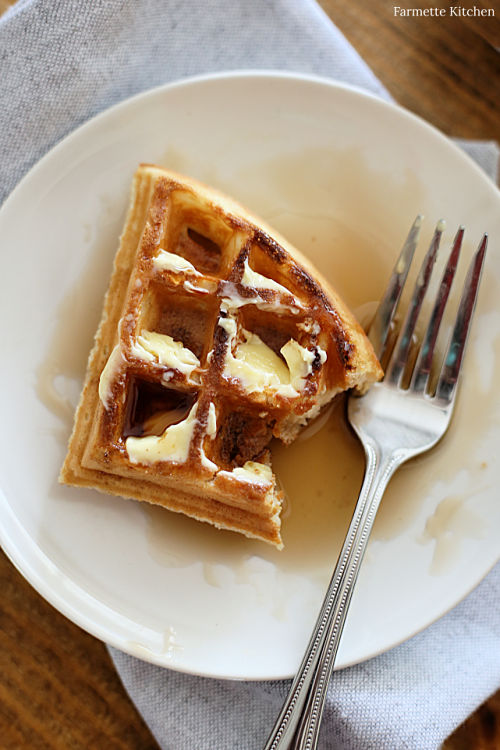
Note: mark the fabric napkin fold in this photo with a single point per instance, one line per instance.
(63, 62)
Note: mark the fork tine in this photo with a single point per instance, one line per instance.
(397, 364)
(423, 364)
(381, 323)
(447, 383)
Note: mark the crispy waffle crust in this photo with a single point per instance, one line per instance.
(216, 335)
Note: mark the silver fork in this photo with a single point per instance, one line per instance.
(395, 421)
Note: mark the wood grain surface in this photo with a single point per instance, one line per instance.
(4, 4)
(58, 688)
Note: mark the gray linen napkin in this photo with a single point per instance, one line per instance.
(63, 61)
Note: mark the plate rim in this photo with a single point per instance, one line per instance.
(247, 73)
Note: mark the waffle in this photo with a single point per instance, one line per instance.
(216, 336)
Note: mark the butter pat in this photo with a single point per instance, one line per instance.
(254, 363)
(192, 288)
(210, 432)
(300, 361)
(166, 261)
(257, 366)
(256, 280)
(109, 374)
(172, 446)
(150, 346)
(259, 363)
(251, 472)
(211, 421)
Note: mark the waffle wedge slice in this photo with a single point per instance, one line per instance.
(216, 336)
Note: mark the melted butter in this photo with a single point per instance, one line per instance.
(252, 472)
(256, 280)
(109, 374)
(211, 420)
(211, 431)
(300, 361)
(172, 445)
(150, 346)
(196, 289)
(256, 364)
(166, 261)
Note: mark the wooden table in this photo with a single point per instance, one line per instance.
(58, 688)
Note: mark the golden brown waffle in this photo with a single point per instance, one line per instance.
(216, 336)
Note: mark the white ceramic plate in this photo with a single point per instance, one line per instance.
(342, 174)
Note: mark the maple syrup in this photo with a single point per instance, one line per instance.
(151, 408)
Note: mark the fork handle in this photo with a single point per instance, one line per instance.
(297, 726)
